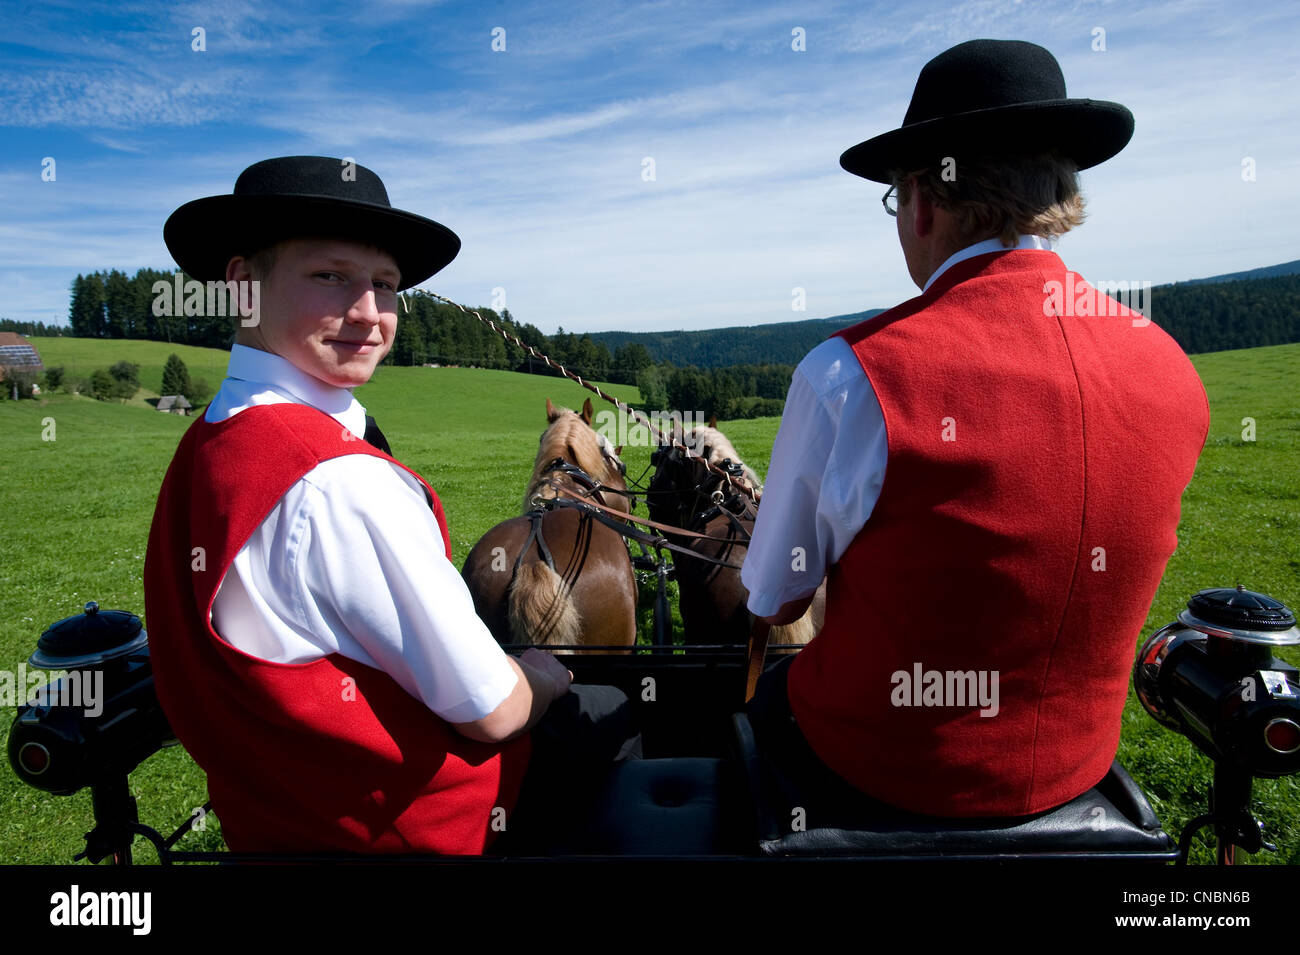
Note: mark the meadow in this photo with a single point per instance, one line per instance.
(75, 514)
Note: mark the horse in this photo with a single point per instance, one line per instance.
(686, 493)
(555, 576)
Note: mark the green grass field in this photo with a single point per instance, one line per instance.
(79, 358)
(76, 513)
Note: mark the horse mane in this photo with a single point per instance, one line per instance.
(715, 447)
(571, 438)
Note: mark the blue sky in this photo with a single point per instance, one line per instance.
(534, 155)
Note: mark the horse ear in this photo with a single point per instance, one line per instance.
(551, 413)
(587, 411)
(713, 421)
(618, 451)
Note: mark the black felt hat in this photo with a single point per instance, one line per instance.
(988, 97)
(302, 196)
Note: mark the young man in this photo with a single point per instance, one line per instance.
(314, 647)
(990, 473)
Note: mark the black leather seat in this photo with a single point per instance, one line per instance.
(1112, 820)
(663, 807)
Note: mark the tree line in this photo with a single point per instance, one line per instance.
(1219, 316)
(731, 372)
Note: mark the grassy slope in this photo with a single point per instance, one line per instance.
(75, 516)
(81, 356)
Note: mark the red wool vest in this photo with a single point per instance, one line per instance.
(320, 756)
(1036, 467)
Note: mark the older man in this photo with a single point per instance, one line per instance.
(990, 473)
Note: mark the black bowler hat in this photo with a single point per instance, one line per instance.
(993, 97)
(298, 197)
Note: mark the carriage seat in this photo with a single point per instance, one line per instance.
(1111, 820)
(662, 807)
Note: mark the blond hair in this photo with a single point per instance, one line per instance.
(1002, 196)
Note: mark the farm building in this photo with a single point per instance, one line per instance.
(174, 404)
(17, 352)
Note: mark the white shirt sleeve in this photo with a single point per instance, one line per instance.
(351, 561)
(827, 468)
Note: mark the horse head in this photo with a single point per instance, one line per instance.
(684, 485)
(570, 438)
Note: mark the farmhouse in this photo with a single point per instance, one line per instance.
(17, 352)
(174, 404)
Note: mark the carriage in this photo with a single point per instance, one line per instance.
(705, 789)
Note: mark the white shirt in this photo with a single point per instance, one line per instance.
(351, 561)
(828, 465)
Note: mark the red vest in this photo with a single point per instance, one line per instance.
(327, 755)
(1036, 465)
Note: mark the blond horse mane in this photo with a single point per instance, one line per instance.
(570, 437)
(714, 446)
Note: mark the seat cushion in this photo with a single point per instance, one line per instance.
(660, 807)
(1113, 818)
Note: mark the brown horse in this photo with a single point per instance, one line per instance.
(684, 492)
(556, 576)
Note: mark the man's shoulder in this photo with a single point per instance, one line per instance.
(366, 477)
(269, 443)
(279, 428)
(1012, 273)
(855, 333)
(830, 366)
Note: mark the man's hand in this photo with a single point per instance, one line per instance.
(542, 679)
(546, 663)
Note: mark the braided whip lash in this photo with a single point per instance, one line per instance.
(626, 409)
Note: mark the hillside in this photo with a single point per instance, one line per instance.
(1254, 308)
(1267, 272)
(1240, 310)
(780, 343)
(79, 357)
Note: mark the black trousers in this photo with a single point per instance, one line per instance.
(795, 768)
(575, 745)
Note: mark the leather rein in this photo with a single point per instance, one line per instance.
(617, 520)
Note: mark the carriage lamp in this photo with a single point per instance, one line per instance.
(100, 719)
(1212, 676)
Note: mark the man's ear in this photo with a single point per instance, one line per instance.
(237, 270)
(923, 209)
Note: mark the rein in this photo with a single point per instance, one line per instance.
(619, 522)
(620, 519)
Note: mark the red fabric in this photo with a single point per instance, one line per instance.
(1071, 433)
(327, 755)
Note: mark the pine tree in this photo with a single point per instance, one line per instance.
(176, 377)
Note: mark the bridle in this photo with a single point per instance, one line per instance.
(736, 501)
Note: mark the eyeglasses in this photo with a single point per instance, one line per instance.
(890, 201)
